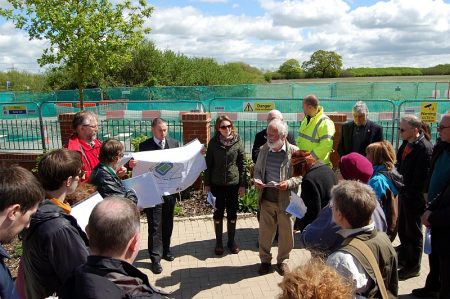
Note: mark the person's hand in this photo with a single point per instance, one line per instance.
(121, 172)
(203, 150)
(258, 184)
(283, 185)
(206, 189)
(241, 191)
(132, 163)
(424, 218)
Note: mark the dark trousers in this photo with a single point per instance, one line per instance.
(160, 227)
(226, 198)
(444, 276)
(432, 282)
(410, 231)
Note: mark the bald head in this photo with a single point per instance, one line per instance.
(112, 224)
(274, 114)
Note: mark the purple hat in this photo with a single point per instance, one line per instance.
(356, 167)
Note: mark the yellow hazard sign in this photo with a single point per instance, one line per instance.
(428, 112)
(258, 106)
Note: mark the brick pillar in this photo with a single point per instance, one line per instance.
(196, 125)
(65, 125)
(339, 119)
(27, 161)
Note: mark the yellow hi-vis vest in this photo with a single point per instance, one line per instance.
(317, 135)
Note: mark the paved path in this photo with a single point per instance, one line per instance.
(198, 273)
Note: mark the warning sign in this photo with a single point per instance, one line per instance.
(428, 112)
(258, 106)
(14, 110)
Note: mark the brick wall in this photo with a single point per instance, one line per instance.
(196, 125)
(339, 119)
(65, 124)
(27, 161)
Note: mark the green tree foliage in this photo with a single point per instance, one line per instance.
(21, 81)
(323, 64)
(291, 69)
(384, 71)
(89, 37)
(440, 69)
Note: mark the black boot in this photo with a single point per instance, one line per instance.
(231, 227)
(218, 228)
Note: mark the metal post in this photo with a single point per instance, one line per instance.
(41, 125)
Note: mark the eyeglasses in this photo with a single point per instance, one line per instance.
(121, 155)
(81, 173)
(440, 128)
(225, 127)
(91, 126)
(401, 130)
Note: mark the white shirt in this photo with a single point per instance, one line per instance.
(161, 143)
(349, 267)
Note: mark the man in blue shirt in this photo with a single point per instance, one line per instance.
(21, 194)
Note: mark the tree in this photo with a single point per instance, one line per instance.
(323, 64)
(291, 69)
(90, 37)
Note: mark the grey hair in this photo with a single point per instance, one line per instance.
(361, 108)
(83, 117)
(275, 114)
(412, 120)
(280, 125)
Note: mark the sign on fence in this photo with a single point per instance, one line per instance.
(428, 112)
(258, 106)
(12, 110)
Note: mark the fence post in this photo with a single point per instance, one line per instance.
(43, 129)
(339, 119)
(196, 125)
(65, 125)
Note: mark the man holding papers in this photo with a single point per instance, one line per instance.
(274, 182)
(160, 217)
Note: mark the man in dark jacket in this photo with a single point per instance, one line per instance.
(160, 217)
(360, 132)
(318, 179)
(436, 217)
(261, 136)
(21, 194)
(114, 235)
(54, 245)
(413, 163)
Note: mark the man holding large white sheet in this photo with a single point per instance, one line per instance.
(160, 217)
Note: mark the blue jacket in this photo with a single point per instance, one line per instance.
(382, 179)
(7, 288)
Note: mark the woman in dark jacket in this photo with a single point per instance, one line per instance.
(413, 163)
(104, 175)
(224, 178)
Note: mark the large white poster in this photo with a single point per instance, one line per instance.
(174, 169)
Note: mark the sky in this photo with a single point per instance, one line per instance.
(266, 33)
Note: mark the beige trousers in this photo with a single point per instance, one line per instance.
(271, 217)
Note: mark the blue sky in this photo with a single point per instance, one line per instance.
(265, 33)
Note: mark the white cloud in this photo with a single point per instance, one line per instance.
(210, 1)
(388, 33)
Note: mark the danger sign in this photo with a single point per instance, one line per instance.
(428, 112)
(258, 106)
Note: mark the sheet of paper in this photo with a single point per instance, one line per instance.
(270, 184)
(146, 189)
(211, 199)
(82, 210)
(175, 169)
(126, 157)
(296, 206)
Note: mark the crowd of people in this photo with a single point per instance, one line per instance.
(354, 210)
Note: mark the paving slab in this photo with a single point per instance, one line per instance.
(197, 273)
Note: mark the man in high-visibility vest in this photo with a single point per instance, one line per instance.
(316, 130)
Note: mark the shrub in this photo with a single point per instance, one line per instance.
(248, 203)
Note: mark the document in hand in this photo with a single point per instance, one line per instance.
(126, 157)
(175, 169)
(82, 210)
(296, 206)
(211, 199)
(146, 189)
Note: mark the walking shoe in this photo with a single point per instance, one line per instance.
(156, 267)
(404, 274)
(265, 268)
(282, 268)
(168, 257)
(425, 293)
(234, 248)
(218, 250)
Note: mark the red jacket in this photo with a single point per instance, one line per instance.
(89, 155)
